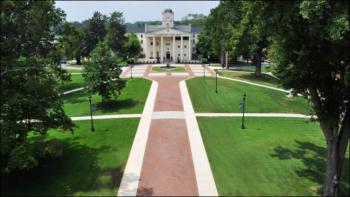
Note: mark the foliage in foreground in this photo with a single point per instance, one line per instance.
(29, 95)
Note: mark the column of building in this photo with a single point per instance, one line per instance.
(146, 48)
(154, 48)
(161, 49)
(174, 55)
(189, 48)
(182, 49)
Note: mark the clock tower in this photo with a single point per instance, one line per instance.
(168, 18)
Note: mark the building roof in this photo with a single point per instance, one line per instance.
(196, 29)
(136, 29)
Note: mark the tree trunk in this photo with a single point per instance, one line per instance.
(337, 141)
(78, 59)
(222, 58)
(332, 162)
(226, 59)
(258, 64)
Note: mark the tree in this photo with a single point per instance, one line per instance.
(29, 97)
(249, 37)
(219, 26)
(310, 53)
(71, 38)
(133, 47)
(115, 32)
(95, 32)
(102, 73)
(193, 19)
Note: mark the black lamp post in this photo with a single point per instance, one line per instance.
(216, 80)
(92, 122)
(243, 108)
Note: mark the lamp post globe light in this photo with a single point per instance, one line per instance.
(92, 121)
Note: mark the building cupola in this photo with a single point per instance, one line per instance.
(168, 18)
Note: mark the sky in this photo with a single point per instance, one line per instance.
(134, 10)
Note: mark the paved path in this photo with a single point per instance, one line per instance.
(138, 70)
(182, 115)
(256, 84)
(276, 115)
(168, 155)
(198, 70)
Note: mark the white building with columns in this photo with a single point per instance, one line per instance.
(168, 42)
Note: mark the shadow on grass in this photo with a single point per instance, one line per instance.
(113, 105)
(314, 160)
(76, 97)
(76, 171)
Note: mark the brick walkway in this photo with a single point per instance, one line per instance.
(168, 156)
(168, 167)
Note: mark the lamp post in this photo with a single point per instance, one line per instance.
(243, 108)
(216, 80)
(92, 122)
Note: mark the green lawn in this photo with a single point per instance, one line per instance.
(229, 96)
(91, 164)
(273, 156)
(77, 81)
(249, 76)
(131, 100)
(74, 71)
(249, 68)
(171, 69)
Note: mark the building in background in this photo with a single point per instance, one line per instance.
(168, 42)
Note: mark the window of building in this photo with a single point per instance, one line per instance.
(151, 43)
(178, 55)
(184, 54)
(141, 41)
(178, 46)
(157, 43)
(185, 46)
(141, 36)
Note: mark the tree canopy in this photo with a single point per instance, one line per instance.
(95, 31)
(310, 52)
(102, 73)
(29, 97)
(115, 36)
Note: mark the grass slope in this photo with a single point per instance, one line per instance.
(77, 81)
(229, 96)
(131, 100)
(249, 76)
(91, 164)
(273, 156)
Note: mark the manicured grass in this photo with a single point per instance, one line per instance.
(74, 71)
(77, 81)
(131, 100)
(92, 163)
(272, 156)
(229, 96)
(249, 68)
(249, 76)
(171, 69)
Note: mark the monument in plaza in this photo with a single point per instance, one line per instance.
(168, 42)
